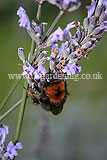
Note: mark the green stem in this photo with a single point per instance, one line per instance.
(32, 50)
(21, 113)
(10, 93)
(53, 25)
(10, 110)
(47, 34)
(24, 95)
(38, 16)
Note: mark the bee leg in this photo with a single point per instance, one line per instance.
(55, 68)
(34, 99)
(30, 76)
(62, 74)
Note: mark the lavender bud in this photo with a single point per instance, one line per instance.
(78, 35)
(82, 35)
(42, 26)
(21, 54)
(87, 39)
(29, 57)
(98, 31)
(103, 17)
(42, 61)
(100, 2)
(39, 57)
(98, 10)
(71, 56)
(85, 23)
(91, 9)
(37, 31)
(74, 5)
(74, 42)
(86, 45)
(90, 28)
(92, 47)
(65, 50)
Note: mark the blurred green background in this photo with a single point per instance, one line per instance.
(80, 131)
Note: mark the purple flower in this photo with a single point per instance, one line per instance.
(4, 130)
(70, 25)
(58, 35)
(39, 71)
(55, 46)
(24, 20)
(100, 2)
(11, 150)
(28, 68)
(34, 72)
(54, 37)
(71, 69)
(67, 32)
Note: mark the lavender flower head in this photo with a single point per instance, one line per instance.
(24, 20)
(35, 30)
(11, 150)
(66, 5)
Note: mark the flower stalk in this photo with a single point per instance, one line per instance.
(10, 93)
(38, 16)
(21, 113)
(53, 25)
(10, 110)
(24, 95)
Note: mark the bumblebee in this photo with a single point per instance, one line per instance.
(52, 93)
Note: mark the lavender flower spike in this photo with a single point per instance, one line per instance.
(11, 150)
(24, 20)
(66, 5)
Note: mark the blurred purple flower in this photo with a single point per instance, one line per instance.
(11, 150)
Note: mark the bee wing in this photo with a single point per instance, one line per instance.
(56, 109)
